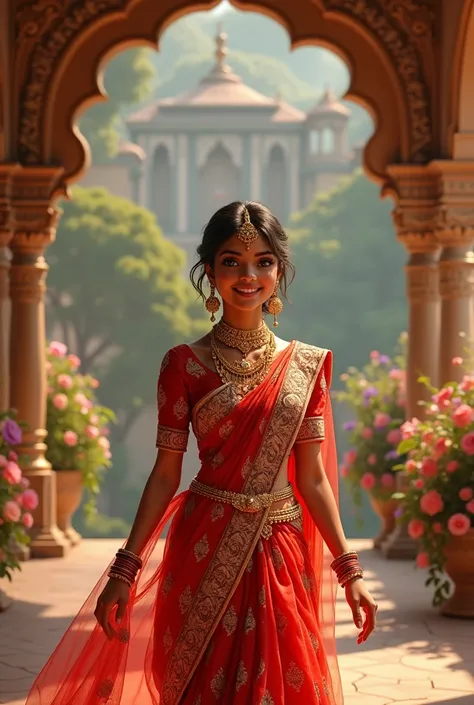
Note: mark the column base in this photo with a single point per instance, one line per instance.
(47, 540)
(399, 545)
(49, 543)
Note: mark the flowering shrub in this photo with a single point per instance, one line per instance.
(438, 502)
(376, 396)
(76, 423)
(16, 500)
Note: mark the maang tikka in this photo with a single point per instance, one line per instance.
(212, 302)
(247, 233)
(275, 305)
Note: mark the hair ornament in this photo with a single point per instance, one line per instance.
(247, 233)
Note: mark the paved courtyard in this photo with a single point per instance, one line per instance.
(414, 657)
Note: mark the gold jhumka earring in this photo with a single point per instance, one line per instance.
(212, 303)
(275, 305)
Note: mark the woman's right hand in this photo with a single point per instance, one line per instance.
(116, 592)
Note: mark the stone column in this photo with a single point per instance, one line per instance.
(455, 233)
(415, 222)
(34, 229)
(6, 233)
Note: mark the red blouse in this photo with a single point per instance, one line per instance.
(184, 380)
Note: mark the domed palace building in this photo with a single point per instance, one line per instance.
(225, 141)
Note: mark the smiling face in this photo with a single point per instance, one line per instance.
(245, 279)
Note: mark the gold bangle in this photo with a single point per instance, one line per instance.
(350, 577)
(120, 577)
(130, 553)
(343, 555)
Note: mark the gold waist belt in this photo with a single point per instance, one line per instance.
(254, 503)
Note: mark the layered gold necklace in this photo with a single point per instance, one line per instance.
(243, 374)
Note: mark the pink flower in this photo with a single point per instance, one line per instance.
(94, 419)
(428, 436)
(13, 456)
(387, 480)
(423, 560)
(381, 420)
(467, 443)
(416, 528)
(429, 467)
(11, 511)
(457, 361)
(70, 438)
(467, 383)
(367, 481)
(104, 443)
(441, 446)
(466, 494)
(94, 383)
(462, 416)
(419, 483)
(431, 503)
(443, 397)
(12, 473)
(60, 401)
(3, 461)
(65, 381)
(470, 506)
(350, 457)
(367, 433)
(411, 466)
(394, 436)
(74, 361)
(372, 459)
(437, 528)
(344, 470)
(57, 349)
(397, 374)
(92, 432)
(107, 454)
(408, 429)
(452, 466)
(27, 520)
(81, 399)
(459, 524)
(29, 500)
(25, 482)
(374, 355)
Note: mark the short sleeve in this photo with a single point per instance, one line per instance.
(312, 428)
(174, 413)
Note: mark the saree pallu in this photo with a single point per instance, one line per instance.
(226, 617)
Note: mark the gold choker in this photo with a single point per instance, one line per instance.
(243, 340)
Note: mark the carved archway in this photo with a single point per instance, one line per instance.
(219, 181)
(461, 117)
(62, 46)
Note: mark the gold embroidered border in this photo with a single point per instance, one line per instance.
(243, 530)
(172, 439)
(212, 408)
(312, 429)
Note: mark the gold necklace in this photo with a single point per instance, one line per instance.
(243, 379)
(243, 340)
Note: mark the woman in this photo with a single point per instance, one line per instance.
(241, 608)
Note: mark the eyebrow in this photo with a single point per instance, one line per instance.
(239, 254)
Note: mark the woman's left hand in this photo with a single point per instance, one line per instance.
(358, 597)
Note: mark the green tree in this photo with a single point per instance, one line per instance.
(129, 78)
(117, 293)
(349, 289)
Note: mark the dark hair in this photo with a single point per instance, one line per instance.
(224, 223)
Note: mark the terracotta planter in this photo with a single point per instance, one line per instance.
(385, 510)
(69, 494)
(460, 568)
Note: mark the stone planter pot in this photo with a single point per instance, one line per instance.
(69, 494)
(460, 568)
(385, 510)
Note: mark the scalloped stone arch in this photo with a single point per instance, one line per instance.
(206, 144)
(63, 48)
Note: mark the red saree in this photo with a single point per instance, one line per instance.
(227, 616)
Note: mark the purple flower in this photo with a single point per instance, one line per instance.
(350, 425)
(384, 359)
(370, 392)
(398, 512)
(11, 432)
(391, 455)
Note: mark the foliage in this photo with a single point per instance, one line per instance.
(118, 295)
(349, 288)
(377, 398)
(100, 526)
(438, 502)
(76, 423)
(16, 499)
(128, 79)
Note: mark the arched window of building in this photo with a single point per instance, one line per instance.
(162, 189)
(276, 183)
(327, 140)
(314, 145)
(219, 183)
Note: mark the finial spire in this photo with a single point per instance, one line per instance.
(221, 47)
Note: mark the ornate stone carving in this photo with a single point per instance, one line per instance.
(405, 29)
(44, 30)
(456, 279)
(422, 282)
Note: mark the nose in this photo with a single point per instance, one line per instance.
(247, 275)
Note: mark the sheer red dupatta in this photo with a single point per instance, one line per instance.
(321, 557)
